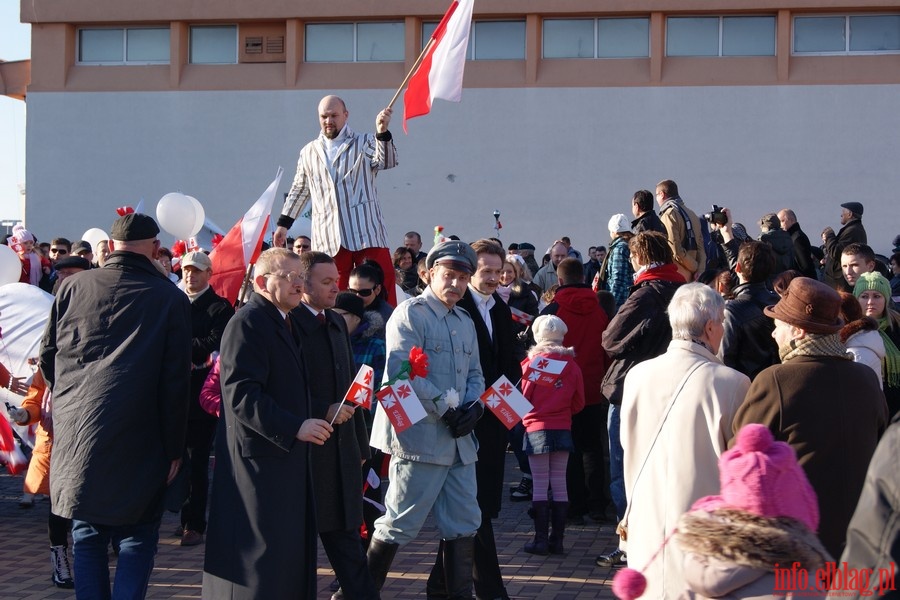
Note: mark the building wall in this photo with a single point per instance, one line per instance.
(554, 161)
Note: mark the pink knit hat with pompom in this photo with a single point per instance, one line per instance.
(762, 476)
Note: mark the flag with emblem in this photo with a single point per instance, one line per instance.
(506, 402)
(360, 392)
(520, 316)
(544, 371)
(401, 405)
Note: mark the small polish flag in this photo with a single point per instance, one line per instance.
(520, 316)
(544, 371)
(401, 405)
(360, 392)
(506, 402)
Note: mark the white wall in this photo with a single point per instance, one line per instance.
(553, 161)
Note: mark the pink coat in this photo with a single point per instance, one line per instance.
(211, 392)
(554, 405)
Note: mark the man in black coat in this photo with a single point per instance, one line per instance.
(210, 314)
(261, 539)
(337, 473)
(115, 354)
(803, 259)
(852, 230)
(497, 353)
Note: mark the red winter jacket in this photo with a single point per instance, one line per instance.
(553, 405)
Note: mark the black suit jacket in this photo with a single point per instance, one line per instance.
(337, 475)
(497, 354)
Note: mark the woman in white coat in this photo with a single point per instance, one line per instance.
(677, 412)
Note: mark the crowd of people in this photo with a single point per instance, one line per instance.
(678, 338)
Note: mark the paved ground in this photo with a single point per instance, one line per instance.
(25, 564)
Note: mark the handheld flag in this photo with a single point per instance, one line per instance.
(520, 316)
(401, 405)
(506, 402)
(360, 392)
(544, 371)
(440, 72)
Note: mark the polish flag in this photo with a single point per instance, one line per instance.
(10, 452)
(401, 405)
(506, 402)
(544, 371)
(242, 245)
(520, 316)
(440, 74)
(360, 392)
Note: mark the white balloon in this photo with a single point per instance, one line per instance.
(199, 215)
(177, 215)
(94, 236)
(10, 266)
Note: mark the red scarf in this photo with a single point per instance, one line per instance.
(666, 272)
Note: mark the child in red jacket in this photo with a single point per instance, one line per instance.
(553, 383)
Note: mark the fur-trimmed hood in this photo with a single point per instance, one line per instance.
(739, 537)
(854, 327)
(372, 325)
(550, 348)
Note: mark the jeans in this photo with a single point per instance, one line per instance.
(616, 467)
(137, 549)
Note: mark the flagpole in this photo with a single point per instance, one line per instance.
(243, 293)
(337, 412)
(411, 71)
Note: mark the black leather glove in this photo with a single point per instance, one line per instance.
(467, 417)
(450, 418)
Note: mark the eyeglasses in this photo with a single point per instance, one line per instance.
(362, 293)
(292, 278)
(59, 250)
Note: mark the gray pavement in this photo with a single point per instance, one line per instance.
(25, 564)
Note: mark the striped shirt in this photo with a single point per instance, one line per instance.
(345, 209)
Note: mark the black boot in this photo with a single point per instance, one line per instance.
(541, 525)
(380, 556)
(458, 556)
(558, 523)
(436, 586)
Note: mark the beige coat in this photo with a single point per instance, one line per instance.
(683, 464)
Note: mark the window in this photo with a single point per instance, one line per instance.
(845, 34)
(148, 45)
(720, 36)
(596, 38)
(355, 42)
(214, 44)
(490, 40)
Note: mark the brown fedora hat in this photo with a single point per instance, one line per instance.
(810, 305)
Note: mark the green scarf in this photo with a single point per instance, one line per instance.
(815, 344)
(890, 365)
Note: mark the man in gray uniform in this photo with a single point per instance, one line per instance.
(433, 462)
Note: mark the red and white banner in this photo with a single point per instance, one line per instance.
(401, 405)
(242, 245)
(544, 371)
(361, 391)
(440, 74)
(520, 316)
(506, 402)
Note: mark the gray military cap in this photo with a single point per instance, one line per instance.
(455, 255)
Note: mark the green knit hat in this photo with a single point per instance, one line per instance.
(873, 281)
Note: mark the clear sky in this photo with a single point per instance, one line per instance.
(15, 44)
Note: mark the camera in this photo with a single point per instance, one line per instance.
(716, 216)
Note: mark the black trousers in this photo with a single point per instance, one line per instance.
(586, 475)
(198, 442)
(347, 558)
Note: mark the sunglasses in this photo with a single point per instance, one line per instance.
(59, 250)
(362, 293)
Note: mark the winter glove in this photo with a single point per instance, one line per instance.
(19, 415)
(468, 417)
(450, 418)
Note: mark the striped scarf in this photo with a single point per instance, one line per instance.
(815, 344)
(890, 365)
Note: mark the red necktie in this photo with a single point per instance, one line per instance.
(321, 318)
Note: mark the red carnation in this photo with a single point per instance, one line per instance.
(418, 363)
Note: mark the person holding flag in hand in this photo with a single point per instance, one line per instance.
(433, 460)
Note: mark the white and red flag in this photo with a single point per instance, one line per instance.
(506, 402)
(440, 74)
(544, 371)
(242, 245)
(401, 405)
(361, 390)
(520, 316)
